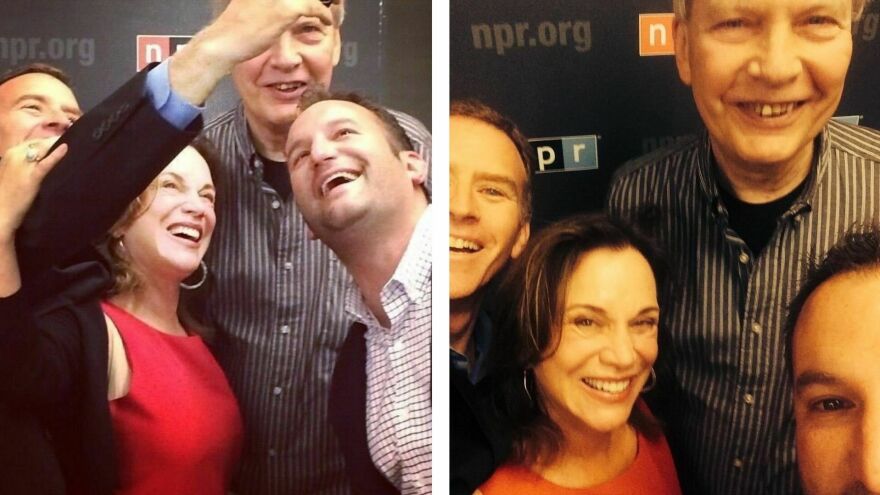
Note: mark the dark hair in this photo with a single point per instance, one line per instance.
(857, 251)
(533, 293)
(36, 68)
(397, 138)
(191, 309)
(477, 110)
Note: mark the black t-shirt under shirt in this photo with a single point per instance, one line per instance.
(275, 174)
(755, 223)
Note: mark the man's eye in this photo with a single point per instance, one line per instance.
(32, 106)
(820, 20)
(168, 184)
(310, 32)
(344, 132)
(209, 196)
(731, 24)
(831, 404)
(494, 192)
(297, 159)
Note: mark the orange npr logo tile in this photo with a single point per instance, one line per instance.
(152, 48)
(655, 35)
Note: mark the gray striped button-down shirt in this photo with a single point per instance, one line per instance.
(278, 307)
(725, 393)
(399, 368)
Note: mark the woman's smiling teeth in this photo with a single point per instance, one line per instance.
(607, 386)
(463, 245)
(185, 232)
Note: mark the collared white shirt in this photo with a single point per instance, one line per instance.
(399, 368)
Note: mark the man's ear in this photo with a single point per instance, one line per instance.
(416, 167)
(522, 238)
(682, 58)
(337, 46)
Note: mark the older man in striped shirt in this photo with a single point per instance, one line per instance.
(277, 299)
(360, 187)
(772, 182)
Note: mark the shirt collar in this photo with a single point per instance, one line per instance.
(412, 276)
(482, 335)
(707, 174)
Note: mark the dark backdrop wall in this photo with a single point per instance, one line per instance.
(572, 68)
(386, 45)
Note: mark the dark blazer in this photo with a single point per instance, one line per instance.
(53, 340)
(479, 438)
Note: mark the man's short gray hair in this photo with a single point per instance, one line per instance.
(338, 10)
(680, 7)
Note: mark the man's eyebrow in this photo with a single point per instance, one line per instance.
(810, 378)
(323, 20)
(295, 144)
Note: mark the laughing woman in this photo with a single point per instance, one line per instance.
(572, 358)
(112, 364)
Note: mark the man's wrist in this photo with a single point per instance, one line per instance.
(195, 70)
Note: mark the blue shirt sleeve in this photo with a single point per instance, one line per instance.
(171, 106)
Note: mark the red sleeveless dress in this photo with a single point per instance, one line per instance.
(178, 431)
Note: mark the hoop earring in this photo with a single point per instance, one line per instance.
(201, 281)
(651, 383)
(526, 385)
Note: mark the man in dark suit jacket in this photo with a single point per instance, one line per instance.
(156, 114)
(489, 212)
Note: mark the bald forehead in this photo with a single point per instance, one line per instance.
(328, 114)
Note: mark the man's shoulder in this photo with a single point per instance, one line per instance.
(659, 162)
(855, 140)
(221, 123)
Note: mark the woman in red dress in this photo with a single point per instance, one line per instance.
(571, 359)
(133, 398)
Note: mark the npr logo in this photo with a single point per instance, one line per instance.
(157, 48)
(655, 35)
(565, 154)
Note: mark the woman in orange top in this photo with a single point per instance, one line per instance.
(572, 357)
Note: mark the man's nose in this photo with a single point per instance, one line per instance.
(462, 203)
(322, 148)
(285, 52)
(56, 122)
(777, 60)
(869, 449)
